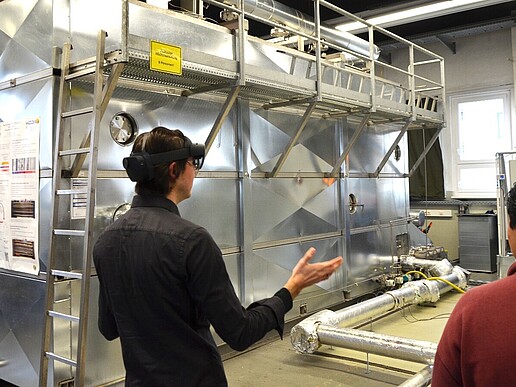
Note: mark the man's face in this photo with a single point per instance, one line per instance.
(511, 236)
(184, 182)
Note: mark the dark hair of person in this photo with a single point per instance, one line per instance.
(511, 207)
(158, 140)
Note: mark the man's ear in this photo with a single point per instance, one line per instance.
(173, 170)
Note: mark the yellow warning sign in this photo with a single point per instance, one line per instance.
(165, 58)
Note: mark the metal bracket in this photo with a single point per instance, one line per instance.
(450, 45)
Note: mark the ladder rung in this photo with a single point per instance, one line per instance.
(64, 316)
(61, 359)
(67, 274)
(72, 191)
(69, 232)
(78, 112)
(74, 151)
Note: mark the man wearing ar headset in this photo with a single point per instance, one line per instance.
(163, 280)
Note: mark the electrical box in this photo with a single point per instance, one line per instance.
(478, 242)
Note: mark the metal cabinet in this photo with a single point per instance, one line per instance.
(478, 242)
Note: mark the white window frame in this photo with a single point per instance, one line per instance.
(450, 140)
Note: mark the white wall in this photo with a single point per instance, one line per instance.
(483, 61)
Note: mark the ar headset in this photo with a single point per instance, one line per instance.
(140, 166)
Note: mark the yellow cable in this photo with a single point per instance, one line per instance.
(437, 279)
(447, 282)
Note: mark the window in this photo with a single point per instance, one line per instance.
(479, 127)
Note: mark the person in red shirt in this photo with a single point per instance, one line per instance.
(478, 344)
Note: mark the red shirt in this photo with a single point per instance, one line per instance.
(478, 345)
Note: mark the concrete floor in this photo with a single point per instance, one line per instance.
(276, 363)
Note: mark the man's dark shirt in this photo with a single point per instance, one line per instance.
(162, 282)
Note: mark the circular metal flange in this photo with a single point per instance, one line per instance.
(123, 128)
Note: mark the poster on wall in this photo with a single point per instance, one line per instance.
(19, 193)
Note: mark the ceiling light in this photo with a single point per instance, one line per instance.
(418, 13)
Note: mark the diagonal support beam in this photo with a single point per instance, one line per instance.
(226, 108)
(293, 140)
(391, 149)
(351, 142)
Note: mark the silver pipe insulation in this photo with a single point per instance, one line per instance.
(400, 348)
(435, 268)
(282, 14)
(366, 310)
(304, 336)
(420, 379)
(413, 292)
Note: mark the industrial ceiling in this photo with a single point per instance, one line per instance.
(490, 16)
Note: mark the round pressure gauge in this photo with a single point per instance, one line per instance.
(123, 128)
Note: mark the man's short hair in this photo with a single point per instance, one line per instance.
(158, 140)
(511, 207)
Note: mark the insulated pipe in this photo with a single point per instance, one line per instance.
(400, 348)
(421, 379)
(304, 336)
(435, 268)
(413, 292)
(282, 14)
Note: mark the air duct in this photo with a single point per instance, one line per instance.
(385, 345)
(420, 379)
(327, 327)
(305, 335)
(282, 14)
(433, 267)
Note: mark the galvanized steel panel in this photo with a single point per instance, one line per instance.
(271, 268)
(21, 320)
(214, 205)
(288, 208)
(315, 151)
(26, 34)
(371, 146)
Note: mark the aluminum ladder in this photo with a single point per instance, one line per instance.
(61, 265)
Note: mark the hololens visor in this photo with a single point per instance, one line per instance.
(139, 166)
